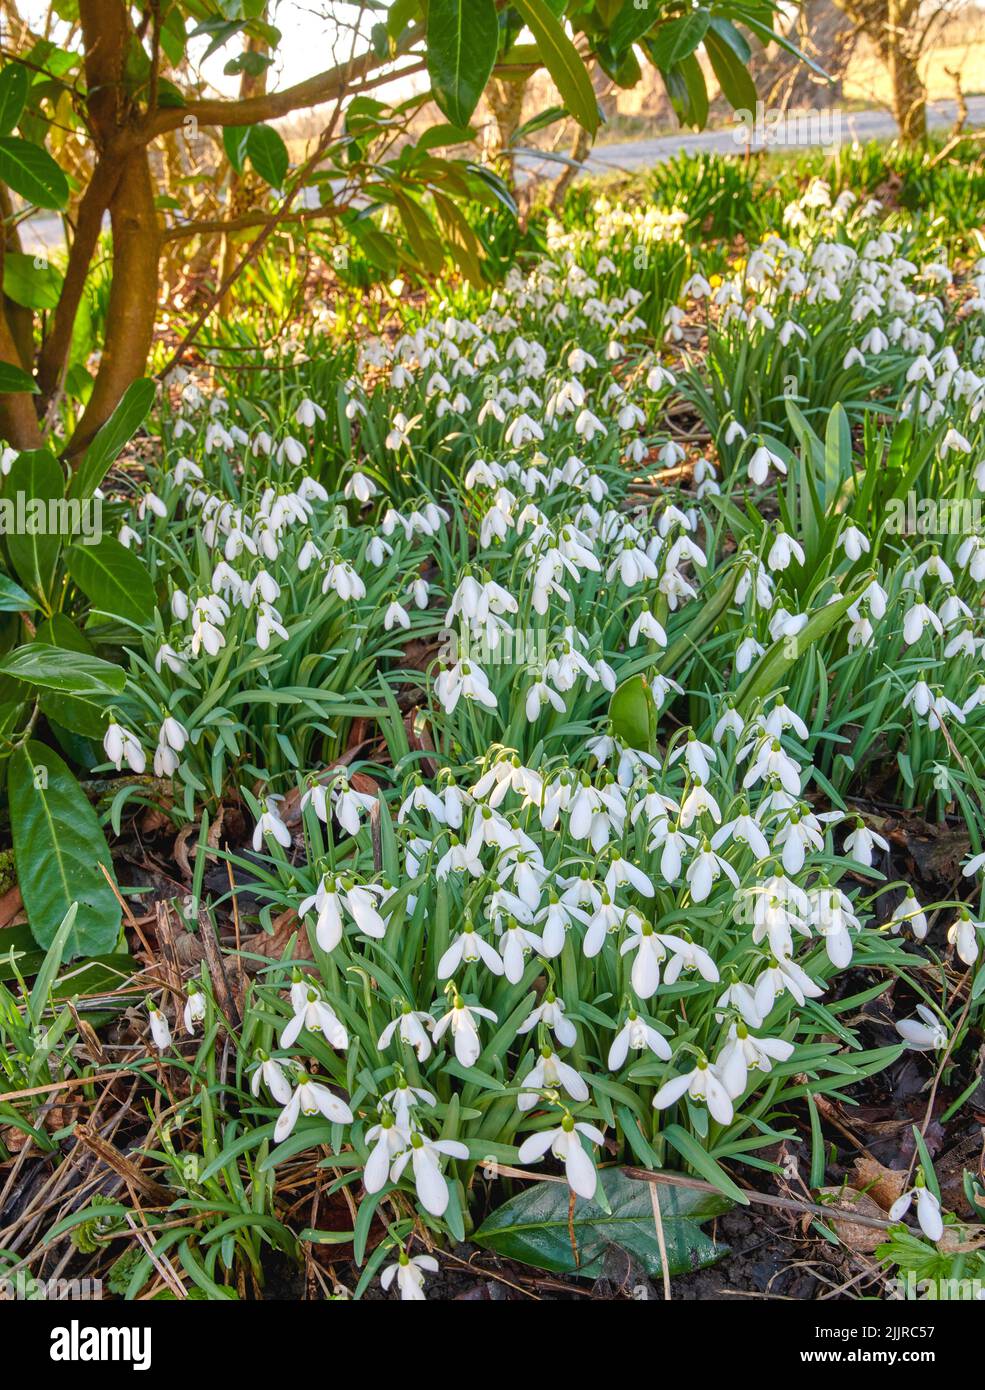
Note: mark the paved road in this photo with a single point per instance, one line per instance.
(44, 232)
(847, 126)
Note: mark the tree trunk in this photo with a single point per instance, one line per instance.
(18, 419)
(504, 98)
(132, 304)
(909, 93)
(132, 307)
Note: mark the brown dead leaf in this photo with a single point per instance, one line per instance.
(188, 832)
(274, 944)
(882, 1184)
(11, 905)
(851, 1233)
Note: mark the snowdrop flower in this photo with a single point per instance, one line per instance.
(783, 975)
(565, 1144)
(307, 413)
(760, 463)
(412, 1026)
(742, 998)
(270, 823)
(167, 656)
(782, 550)
(650, 955)
(550, 1073)
(194, 1010)
(703, 1083)
(928, 1209)
(916, 619)
(963, 936)
(705, 869)
(551, 1014)
(311, 1011)
(310, 1098)
(360, 488)
(121, 746)
(460, 1018)
(924, 1034)
(409, 1274)
(909, 911)
(425, 1157)
(467, 947)
(743, 1053)
(272, 1075)
(386, 1140)
(636, 1035)
(861, 842)
(685, 955)
(160, 1029)
(854, 543)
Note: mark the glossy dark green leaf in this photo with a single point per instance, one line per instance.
(30, 281)
(118, 430)
(13, 599)
(30, 171)
(674, 41)
(536, 1226)
(13, 95)
(737, 86)
(58, 849)
(14, 379)
(30, 522)
(463, 36)
(268, 154)
(562, 61)
(53, 668)
(113, 578)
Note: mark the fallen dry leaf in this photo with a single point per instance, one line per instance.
(882, 1184)
(855, 1236)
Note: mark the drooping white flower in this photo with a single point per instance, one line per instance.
(425, 1157)
(460, 1018)
(310, 1098)
(702, 1083)
(928, 1209)
(409, 1274)
(565, 1144)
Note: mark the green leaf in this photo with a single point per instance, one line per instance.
(234, 138)
(702, 1162)
(462, 39)
(630, 24)
(70, 672)
(35, 286)
(674, 41)
(13, 599)
(13, 95)
(772, 666)
(30, 171)
(58, 848)
(113, 578)
(562, 61)
(121, 426)
(268, 154)
(536, 1227)
(14, 379)
(632, 712)
(737, 86)
(33, 539)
